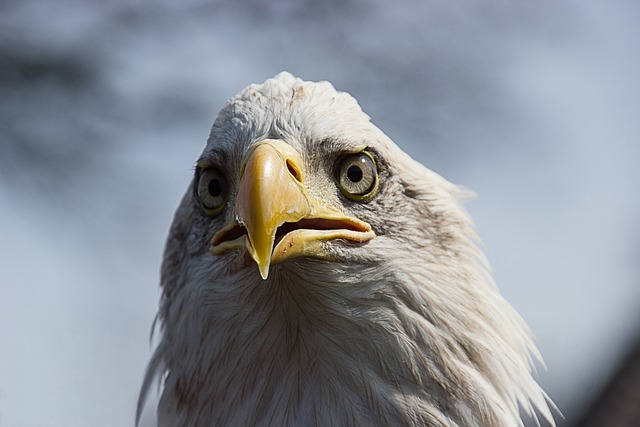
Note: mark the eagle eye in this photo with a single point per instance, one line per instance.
(357, 176)
(212, 191)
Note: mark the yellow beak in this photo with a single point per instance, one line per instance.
(273, 203)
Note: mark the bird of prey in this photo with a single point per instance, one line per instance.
(316, 275)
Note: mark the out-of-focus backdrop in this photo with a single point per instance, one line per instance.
(104, 107)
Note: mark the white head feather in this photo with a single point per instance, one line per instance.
(407, 329)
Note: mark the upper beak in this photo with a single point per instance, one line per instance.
(272, 202)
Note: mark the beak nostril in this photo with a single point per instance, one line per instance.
(293, 170)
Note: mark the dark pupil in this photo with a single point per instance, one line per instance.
(354, 173)
(215, 187)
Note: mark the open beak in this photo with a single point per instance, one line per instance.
(275, 218)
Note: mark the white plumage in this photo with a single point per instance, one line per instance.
(376, 306)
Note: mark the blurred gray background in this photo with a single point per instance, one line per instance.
(104, 107)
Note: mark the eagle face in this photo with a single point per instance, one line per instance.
(315, 274)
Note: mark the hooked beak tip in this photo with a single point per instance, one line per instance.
(263, 262)
(264, 271)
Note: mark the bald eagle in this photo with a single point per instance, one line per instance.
(315, 274)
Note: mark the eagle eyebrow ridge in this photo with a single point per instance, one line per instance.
(336, 145)
(213, 157)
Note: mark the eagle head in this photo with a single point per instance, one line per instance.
(315, 274)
